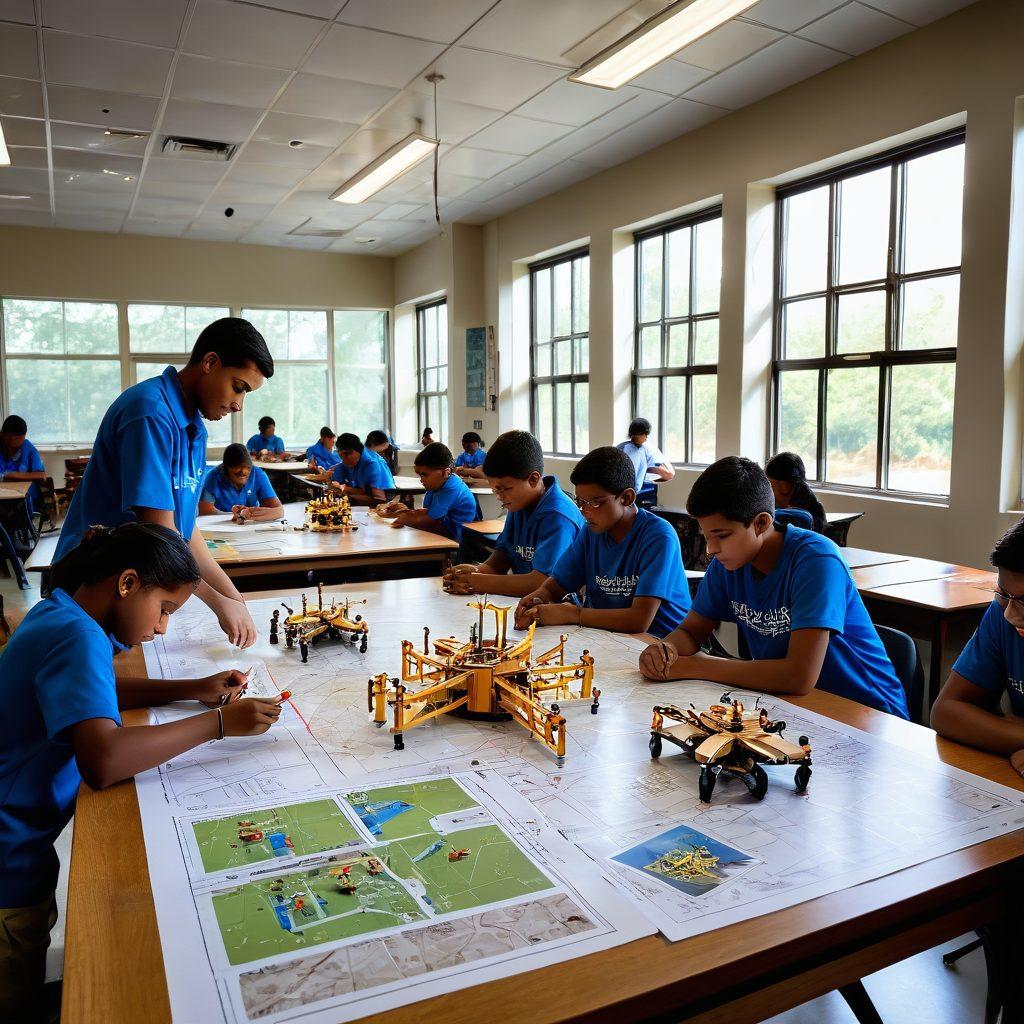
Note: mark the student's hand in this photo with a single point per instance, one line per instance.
(561, 614)
(1017, 762)
(235, 620)
(240, 512)
(458, 585)
(221, 688)
(338, 488)
(250, 717)
(463, 569)
(656, 660)
(527, 610)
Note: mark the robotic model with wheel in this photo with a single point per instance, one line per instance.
(331, 513)
(726, 740)
(306, 627)
(495, 679)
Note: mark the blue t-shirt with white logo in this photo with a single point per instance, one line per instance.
(471, 459)
(810, 587)
(325, 458)
(646, 563)
(25, 460)
(149, 452)
(535, 537)
(994, 658)
(452, 505)
(219, 490)
(258, 443)
(370, 471)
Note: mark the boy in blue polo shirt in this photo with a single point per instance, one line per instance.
(542, 522)
(470, 463)
(266, 442)
(149, 457)
(789, 592)
(991, 667)
(363, 476)
(322, 455)
(239, 487)
(448, 503)
(627, 560)
(19, 459)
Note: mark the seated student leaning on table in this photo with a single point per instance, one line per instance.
(542, 522)
(322, 455)
(62, 718)
(470, 462)
(790, 594)
(362, 476)
(239, 487)
(991, 666)
(266, 442)
(381, 442)
(19, 459)
(627, 560)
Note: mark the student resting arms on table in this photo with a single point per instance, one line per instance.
(19, 459)
(470, 462)
(363, 476)
(239, 487)
(381, 442)
(627, 559)
(322, 455)
(645, 456)
(542, 522)
(266, 442)
(62, 720)
(788, 476)
(790, 594)
(991, 665)
(149, 458)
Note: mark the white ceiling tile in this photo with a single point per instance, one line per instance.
(244, 213)
(34, 218)
(96, 163)
(96, 63)
(369, 143)
(313, 244)
(250, 34)
(94, 139)
(519, 135)
(152, 226)
(222, 81)
(443, 21)
(20, 97)
(216, 121)
(381, 229)
(18, 10)
(161, 168)
(398, 211)
(326, 213)
(89, 221)
(40, 202)
(69, 199)
(265, 174)
(455, 121)
(726, 45)
(27, 179)
(334, 172)
(182, 211)
(232, 193)
(274, 153)
(613, 30)
(855, 29)
(23, 132)
(570, 103)
(316, 131)
(449, 186)
(27, 156)
(476, 163)
(781, 64)
(378, 58)
(314, 8)
(672, 77)
(18, 56)
(211, 232)
(193, 193)
(920, 12)
(87, 106)
(789, 15)
(156, 22)
(334, 98)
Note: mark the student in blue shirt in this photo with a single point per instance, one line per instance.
(470, 463)
(788, 476)
(789, 592)
(448, 504)
(266, 442)
(19, 459)
(322, 455)
(627, 560)
(62, 720)
(149, 457)
(542, 522)
(649, 464)
(239, 487)
(991, 667)
(363, 476)
(381, 442)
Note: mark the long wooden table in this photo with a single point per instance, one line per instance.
(742, 974)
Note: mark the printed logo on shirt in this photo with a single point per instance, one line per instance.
(523, 551)
(767, 622)
(617, 586)
(1016, 685)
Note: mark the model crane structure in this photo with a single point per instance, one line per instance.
(306, 627)
(329, 513)
(495, 679)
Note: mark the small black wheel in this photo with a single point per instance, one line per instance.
(358, 618)
(705, 784)
(802, 777)
(362, 646)
(594, 707)
(759, 787)
(655, 745)
(399, 742)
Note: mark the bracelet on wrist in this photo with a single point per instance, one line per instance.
(220, 723)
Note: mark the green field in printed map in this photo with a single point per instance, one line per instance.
(394, 812)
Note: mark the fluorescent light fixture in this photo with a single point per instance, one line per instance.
(391, 164)
(5, 157)
(657, 38)
(2, 196)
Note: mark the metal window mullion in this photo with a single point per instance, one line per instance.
(821, 438)
(884, 408)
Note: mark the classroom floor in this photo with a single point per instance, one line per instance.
(919, 989)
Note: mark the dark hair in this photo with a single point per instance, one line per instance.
(427, 430)
(1009, 550)
(639, 426)
(235, 342)
(158, 554)
(348, 443)
(789, 468)
(376, 437)
(435, 456)
(324, 432)
(471, 435)
(15, 426)
(734, 488)
(516, 453)
(236, 455)
(607, 467)
(266, 421)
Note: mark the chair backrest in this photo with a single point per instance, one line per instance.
(906, 661)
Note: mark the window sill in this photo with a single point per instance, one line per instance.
(897, 497)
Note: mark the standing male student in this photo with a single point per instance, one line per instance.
(149, 457)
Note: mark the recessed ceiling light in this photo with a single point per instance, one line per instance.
(362, 241)
(391, 164)
(296, 143)
(129, 177)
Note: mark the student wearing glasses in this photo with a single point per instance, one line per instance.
(991, 667)
(627, 561)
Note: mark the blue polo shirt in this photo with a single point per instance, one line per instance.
(471, 459)
(644, 458)
(370, 471)
(149, 452)
(325, 458)
(535, 537)
(218, 489)
(647, 562)
(810, 587)
(258, 443)
(994, 658)
(56, 670)
(25, 460)
(452, 505)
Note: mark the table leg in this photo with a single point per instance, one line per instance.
(938, 642)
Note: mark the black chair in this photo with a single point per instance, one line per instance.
(9, 553)
(647, 496)
(906, 661)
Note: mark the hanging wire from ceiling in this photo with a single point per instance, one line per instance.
(434, 78)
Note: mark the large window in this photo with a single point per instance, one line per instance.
(560, 353)
(675, 382)
(361, 371)
(432, 368)
(62, 366)
(868, 295)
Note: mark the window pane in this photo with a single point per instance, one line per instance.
(864, 226)
(582, 355)
(798, 415)
(930, 311)
(90, 328)
(806, 254)
(545, 430)
(648, 403)
(708, 259)
(562, 283)
(542, 303)
(307, 334)
(542, 361)
(563, 356)
(804, 329)
(582, 437)
(434, 416)
(430, 380)
(581, 294)
(442, 419)
(675, 419)
(156, 328)
(861, 322)
(219, 431)
(650, 347)
(704, 389)
(442, 333)
(852, 426)
(442, 378)
(679, 272)
(430, 336)
(563, 417)
(38, 392)
(33, 326)
(198, 317)
(92, 384)
(273, 325)
(934, 210)
(921, 428)
(678, 344)
(705, 342)
(296, 396)
(360, 338)
(650, 278)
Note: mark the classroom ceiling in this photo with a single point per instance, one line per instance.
(345, 79)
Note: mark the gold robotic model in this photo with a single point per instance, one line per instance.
(496, 679)
(697, 863)
(726, 739)
(306, 627)
(329, 513)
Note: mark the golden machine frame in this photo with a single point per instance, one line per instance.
(497, 679)
(306, 627)
(330, 513)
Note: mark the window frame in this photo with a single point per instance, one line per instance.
(332, 359)
(662, 371)
(422, 395)
(893, 286)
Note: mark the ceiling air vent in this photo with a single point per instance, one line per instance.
(198, 149)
